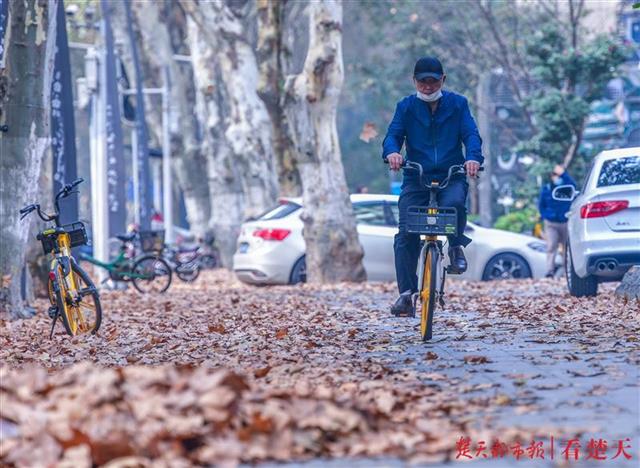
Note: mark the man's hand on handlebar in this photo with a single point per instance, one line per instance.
(395, 161)
(472, 168)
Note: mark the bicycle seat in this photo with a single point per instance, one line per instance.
(188, 248)
(126, 237)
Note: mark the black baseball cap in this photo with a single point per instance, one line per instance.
(428, 67)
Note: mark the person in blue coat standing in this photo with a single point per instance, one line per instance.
(554, 215)
(432, 124)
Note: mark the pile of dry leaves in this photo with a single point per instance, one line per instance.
(217, 371)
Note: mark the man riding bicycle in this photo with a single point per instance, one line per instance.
(433, 123)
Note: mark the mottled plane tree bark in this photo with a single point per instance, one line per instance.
(26, 71)
(160, 28)
(225, 180)
(273, 59)
(236, 125)
(333, 250)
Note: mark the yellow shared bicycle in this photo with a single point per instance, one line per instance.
(72, 294)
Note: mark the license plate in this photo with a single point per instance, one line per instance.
(243, 247)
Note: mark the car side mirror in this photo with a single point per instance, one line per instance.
(564, 193)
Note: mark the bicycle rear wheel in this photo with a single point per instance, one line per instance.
(188, 273)
(151, 274)
(77, 300)
(428, 292)
(208, 261)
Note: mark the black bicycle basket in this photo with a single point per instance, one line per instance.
(151, 241)
(77, 233)
(48, 241)
(77, 236)
(432, 221)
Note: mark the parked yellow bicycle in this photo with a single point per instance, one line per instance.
(72, 294)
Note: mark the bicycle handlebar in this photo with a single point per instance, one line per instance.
(453, 170)
(67, 189)
(63, 193)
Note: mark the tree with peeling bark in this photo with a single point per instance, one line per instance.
(225, 185)
(243, 180)
(158, 26)
(273, 59)
(26, 71)
(246, 122)
(333, 252)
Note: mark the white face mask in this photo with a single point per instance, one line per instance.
(556, 180)
(430, 97)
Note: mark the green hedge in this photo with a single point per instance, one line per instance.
(521, 221)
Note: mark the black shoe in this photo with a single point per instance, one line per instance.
(458, 260)
(403, 307)
(550, 275)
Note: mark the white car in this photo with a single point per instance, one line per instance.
(603, 222)
(271, 249)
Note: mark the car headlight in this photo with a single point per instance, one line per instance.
(537, 246)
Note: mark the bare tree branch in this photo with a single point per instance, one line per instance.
(504, 53)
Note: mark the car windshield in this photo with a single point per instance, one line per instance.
(621, 171)
(283, 209)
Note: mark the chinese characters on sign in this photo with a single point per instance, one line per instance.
(554, 449)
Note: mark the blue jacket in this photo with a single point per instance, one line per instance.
(554, 210)
(433, 141)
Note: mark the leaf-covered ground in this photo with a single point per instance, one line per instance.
(220, 372)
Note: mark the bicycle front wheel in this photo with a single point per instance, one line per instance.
(151, 274)
(77, 300)
(428, 292)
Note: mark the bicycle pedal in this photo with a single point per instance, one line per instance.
(453, 271)
(53, 311)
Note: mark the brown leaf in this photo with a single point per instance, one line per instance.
(281, 333)
(476, 359)
(368, 132)
(113, 445)
(261, 372)
(217, 328)
(430, 356)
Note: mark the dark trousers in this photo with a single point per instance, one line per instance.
(406, 246)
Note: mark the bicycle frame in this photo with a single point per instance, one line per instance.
(112, 267)
(430, 240)
(109, 266)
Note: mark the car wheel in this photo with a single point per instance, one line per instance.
(578, 287)
(299, 272)
(506, 266)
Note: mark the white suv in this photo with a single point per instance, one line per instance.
(604, 222)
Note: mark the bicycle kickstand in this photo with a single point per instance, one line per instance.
(53, 325)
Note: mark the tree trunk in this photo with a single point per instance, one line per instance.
(333, 250)
(25, 86)
(270, 88)
(629, 287)
(247, 124)
(189, 163)
(225, 182)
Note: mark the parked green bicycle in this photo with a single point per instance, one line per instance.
(148, 272)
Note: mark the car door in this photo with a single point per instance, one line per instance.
(376, 233)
